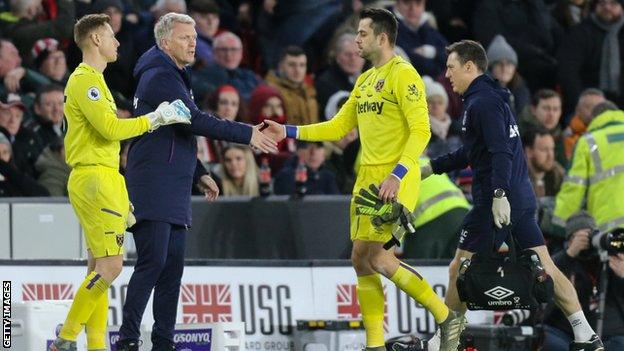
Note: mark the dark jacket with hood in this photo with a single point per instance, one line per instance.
(163, 164)
(491, 146)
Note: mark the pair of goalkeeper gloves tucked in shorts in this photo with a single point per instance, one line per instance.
(368, 203)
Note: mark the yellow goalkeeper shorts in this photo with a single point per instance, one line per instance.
(99, 197)
(361, 226)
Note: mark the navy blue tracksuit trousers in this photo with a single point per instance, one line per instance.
(159, 266)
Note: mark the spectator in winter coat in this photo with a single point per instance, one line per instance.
(13, 182)
(590, 55)
(423, 44)
(528, 26)
(289, 79)
(29, 28)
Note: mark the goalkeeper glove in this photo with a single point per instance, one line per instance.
(169, 113)
(368, 203)
(402, 226)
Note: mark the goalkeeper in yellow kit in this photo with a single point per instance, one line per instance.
(389, 108)
(97, 191)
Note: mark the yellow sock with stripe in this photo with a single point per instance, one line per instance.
(408, 280)
(85, 300)
(96, 325)
(371, 298)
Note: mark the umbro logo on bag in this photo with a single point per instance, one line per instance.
(499, 293)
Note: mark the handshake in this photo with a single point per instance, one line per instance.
(169, 113)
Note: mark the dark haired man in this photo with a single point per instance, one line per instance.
(492, 147)
(389, 107)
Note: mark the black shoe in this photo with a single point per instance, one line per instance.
(128, 345)
(594, 344)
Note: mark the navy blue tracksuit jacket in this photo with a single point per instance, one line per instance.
(491, 146)
(162, 165)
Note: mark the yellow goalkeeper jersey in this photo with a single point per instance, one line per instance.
(389, 107)
(93, 129)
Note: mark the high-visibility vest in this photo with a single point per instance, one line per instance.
(596, 176)
(438, 195)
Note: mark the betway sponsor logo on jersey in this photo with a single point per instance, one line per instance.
(370, 106)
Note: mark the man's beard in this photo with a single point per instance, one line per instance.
(540, 168)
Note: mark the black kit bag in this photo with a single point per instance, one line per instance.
(492, 280)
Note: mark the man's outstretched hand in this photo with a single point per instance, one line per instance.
(273, 130)
(261, 141)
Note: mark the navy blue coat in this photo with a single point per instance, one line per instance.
(162, 165)
(491, 146)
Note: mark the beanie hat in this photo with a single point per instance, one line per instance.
(500, 49)
(42, 49)
(579, 220)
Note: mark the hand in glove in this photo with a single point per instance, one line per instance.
(169, 113)
(501, 211)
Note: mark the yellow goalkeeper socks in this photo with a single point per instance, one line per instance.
(372, 302)
(96, 325)
(408, 280)
(86, 299)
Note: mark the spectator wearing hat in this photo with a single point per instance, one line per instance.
(581, 264)
(50, 61)
(47, 123)
(424, 45)
(445, 131)
(52, 169)
(341, 75)
(29, 27)
(289, 79)
(26, 148)
(503, 62)
(320, 181)
(266, 102)
(13, 182)
(15, 78)
(590, 55)
(207, 21)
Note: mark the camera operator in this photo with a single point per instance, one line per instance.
(581, 263)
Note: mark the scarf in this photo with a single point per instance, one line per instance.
(610, 60)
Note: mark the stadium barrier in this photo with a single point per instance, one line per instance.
(268, 296)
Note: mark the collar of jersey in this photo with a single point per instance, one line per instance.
(89, 68)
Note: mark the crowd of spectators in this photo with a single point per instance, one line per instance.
(296, 62)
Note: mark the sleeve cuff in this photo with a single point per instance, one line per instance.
(291, 131)
(399, 171)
